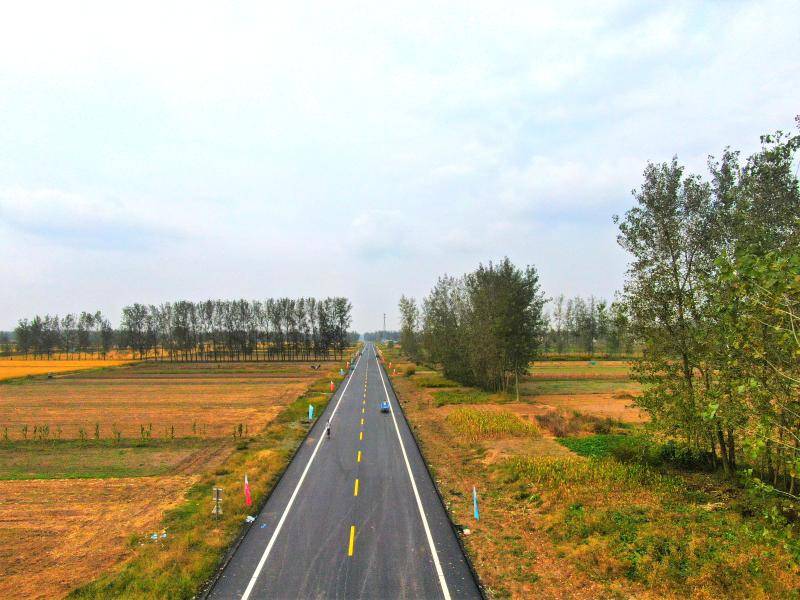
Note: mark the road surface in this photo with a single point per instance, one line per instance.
(355, 516)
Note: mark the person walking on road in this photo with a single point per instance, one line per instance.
(328, 429)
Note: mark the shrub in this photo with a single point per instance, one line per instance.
(410, 370)
(434, 381)
(465, 396)
(597, 446)
(554, 422)
(562, 425)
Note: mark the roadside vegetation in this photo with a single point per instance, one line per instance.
(474, 424)
(581, 505)
(680, 480)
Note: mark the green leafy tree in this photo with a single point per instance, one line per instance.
(409, 325)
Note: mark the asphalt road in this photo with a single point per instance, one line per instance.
(356, 515)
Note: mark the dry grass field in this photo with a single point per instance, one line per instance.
(57, 534)
(90, 461)
(12, 369)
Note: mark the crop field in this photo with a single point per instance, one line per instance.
(91, 461)
(12, 369)
(568, 369)
(475, 424)
(145, 401)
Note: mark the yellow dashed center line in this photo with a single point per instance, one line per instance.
(352, 540)
(358, 458)
(361, 435)
(363, 410)
(355, 488)
(362, 421)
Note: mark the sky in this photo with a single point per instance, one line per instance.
(161, 151)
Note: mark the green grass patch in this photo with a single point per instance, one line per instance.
(596, 446)
(433, 380)
(674, 547)
(577, 386)
(467, 396)
(73, 459)
(580, 369)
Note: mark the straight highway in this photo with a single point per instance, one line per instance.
(356, 515)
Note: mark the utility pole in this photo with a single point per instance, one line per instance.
(384, 325)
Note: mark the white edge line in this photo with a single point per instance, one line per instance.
(278, 527)
(436, 562)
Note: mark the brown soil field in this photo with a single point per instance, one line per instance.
(56, 534)
(614, 406)
(11, 369)
(206, 406)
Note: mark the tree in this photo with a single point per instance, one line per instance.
(409, 325)
(669, 234)
(443, 333)
(559, 324)
(701, 253)
(486, 327)
(22, 335)
(504, 325)
(5, 344)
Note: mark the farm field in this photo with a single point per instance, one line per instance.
(12, 369)
(90, 462)
(562, 517)
(57, 534)
(166, 403)
(573, 369)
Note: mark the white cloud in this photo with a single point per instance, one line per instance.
(278, 146)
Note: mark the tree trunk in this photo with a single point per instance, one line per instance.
(723, 451)
(731, 450)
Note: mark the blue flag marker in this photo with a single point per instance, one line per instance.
(475, 502)
(310, 412)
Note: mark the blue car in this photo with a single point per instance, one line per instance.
(385, 406)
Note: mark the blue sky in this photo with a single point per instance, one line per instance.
(165, 151)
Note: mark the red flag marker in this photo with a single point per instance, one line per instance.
(331, 385)
(247, 499)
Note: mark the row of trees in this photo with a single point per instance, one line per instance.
(376, 336)
(588, 325)
(713, 293)
(484, 328)
(76, 336)
(274, 329)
